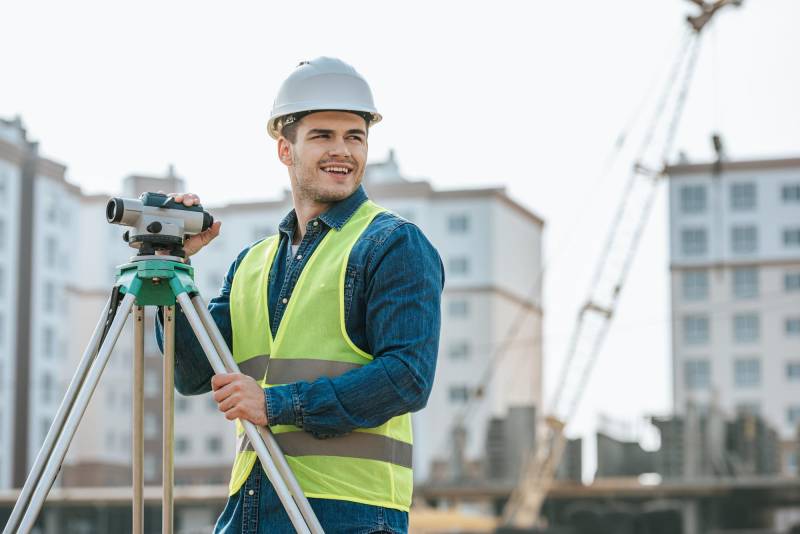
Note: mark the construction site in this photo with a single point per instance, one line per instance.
(503, 445)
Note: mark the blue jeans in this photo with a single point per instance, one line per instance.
(256, 509)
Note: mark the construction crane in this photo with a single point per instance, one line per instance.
(610, 274)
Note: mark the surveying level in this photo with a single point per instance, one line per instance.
(151, 280)
(157, 222)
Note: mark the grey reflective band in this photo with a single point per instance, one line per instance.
(255, 367)
(360, 445)
(286, 371)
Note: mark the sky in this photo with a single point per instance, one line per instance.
(528, 95)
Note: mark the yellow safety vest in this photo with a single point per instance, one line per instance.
(369, 465)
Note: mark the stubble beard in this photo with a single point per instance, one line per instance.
(310, 188)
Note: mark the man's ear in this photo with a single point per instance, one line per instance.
(285, 151)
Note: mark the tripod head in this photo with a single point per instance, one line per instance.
(157, 222)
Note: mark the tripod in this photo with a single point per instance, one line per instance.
(150, 281)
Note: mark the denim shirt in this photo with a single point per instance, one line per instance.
(393, 284)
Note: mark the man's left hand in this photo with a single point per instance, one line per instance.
(240, 397)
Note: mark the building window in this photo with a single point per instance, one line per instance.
(213, 444)
(181, 404)
(693, 199)
(746, 328)
(743, 196)
(2, 282)
(152, 383)
(2, 329)
(793, 414)
(793, 371)
(48, 296)
(182, 445)
(695, 330)
(459, 394)
(791, 282)
(150, 426)
(748, 408)
(50, 251)
(744, 239)
(212, 404)
(791, 237)
(697, 374)
(695, 285)
(458, 308)
(791, 193)
(2, 234)
(47, 387)
(747, 372)
(150, 467)
(459, 350)
(458, 224)
(745, 282)
(694, 241)
(792, 326)
(48, 341)
(458, 265)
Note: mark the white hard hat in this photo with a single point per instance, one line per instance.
(322, 84)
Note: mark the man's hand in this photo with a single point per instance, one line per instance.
(240, 397)
(193, 244)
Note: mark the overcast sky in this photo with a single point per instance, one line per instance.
(530, 95)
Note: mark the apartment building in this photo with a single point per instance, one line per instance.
(57, 267)
(735, 277)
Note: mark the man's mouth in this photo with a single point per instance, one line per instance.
(338, 170)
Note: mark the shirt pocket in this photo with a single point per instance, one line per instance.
(350, 279)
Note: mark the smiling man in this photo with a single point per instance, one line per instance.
(334, 323)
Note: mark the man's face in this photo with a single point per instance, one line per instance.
(326, 163)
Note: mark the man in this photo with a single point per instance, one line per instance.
(334, 323)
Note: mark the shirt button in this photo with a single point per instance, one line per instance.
(251, 492)
(299, 256)
(285, 300)
(316, 223)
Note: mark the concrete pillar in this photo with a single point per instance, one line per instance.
(691, 517)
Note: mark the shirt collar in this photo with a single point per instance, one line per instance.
(336, 216)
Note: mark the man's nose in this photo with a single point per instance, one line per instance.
(339, 148)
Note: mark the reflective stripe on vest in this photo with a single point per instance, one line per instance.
(371, 465)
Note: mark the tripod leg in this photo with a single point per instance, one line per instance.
(55, 429)
(269, 440)
(168, 419)
(292, 509)
(75, 415)
(137, 434)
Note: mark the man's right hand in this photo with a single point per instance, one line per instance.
(193, 244)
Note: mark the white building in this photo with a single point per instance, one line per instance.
(57, 264)
(491, 249)
(735, 263)
(57, 267)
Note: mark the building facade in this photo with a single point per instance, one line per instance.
(58, 257)
(735, 278)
